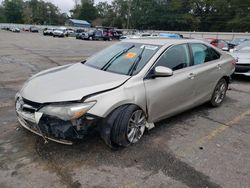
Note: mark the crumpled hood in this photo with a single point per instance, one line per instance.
(69, 83)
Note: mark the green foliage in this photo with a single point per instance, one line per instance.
(13, 10)
(85, 11)
(2, 15)
(189, 15)
(30, 12)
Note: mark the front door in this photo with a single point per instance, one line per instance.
(167, 96)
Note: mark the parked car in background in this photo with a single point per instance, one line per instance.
(170, 35)
(238, 41)
(219, 43)
(95, 35)
(26, 29)
(136, 36)
(99, 34)
(123, 90)
(69, 33)
(116, 34)
(48, 31)
(6, 28)
(15, 30)
(78, 33)
(242, 54)
(140, 35)
(33, 29)
(124, 37)
(59, 32)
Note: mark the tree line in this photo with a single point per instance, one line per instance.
(31, 12)
(182, 15)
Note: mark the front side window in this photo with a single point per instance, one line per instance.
(203, 53)
(175, 58)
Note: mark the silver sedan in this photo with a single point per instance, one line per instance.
(242, 55)
(123, 90)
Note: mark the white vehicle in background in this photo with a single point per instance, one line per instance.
(137, 36)
(48, 31)
(60, 32)
(69, 33)
(15, 30)
(242, 54)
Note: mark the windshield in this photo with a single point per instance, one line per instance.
(120, 62)
(243, 47)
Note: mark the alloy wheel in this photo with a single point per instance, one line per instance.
(220, 92)
(136, 126)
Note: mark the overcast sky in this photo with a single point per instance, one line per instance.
(66, 5)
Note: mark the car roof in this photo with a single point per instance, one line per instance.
(161, 41)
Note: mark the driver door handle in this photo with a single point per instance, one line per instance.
(192, 76)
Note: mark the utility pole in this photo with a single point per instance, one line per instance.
(129, 13)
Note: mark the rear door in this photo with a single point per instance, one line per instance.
(207, 69)
(169, 95)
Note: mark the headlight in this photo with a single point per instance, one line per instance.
(67, 111)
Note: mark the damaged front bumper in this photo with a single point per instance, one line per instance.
(52, 128)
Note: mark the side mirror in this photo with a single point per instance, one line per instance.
(161, 71)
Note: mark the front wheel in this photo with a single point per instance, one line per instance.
(129, 126)
(219, 93)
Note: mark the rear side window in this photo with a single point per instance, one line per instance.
(203, 53)
(175, 58)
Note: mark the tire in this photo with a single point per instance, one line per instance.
(219, 93)
(128, 126)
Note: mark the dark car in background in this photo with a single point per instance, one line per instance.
(102, 34)
(33, 29)
(94, 35)
(116, 34)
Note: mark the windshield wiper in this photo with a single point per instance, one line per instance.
(136, 62)
(84, 61)
(109, 63)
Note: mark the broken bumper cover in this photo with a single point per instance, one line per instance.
(35, 131)
(52, 128)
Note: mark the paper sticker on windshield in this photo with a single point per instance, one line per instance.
(130, 55)
(149, 47)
